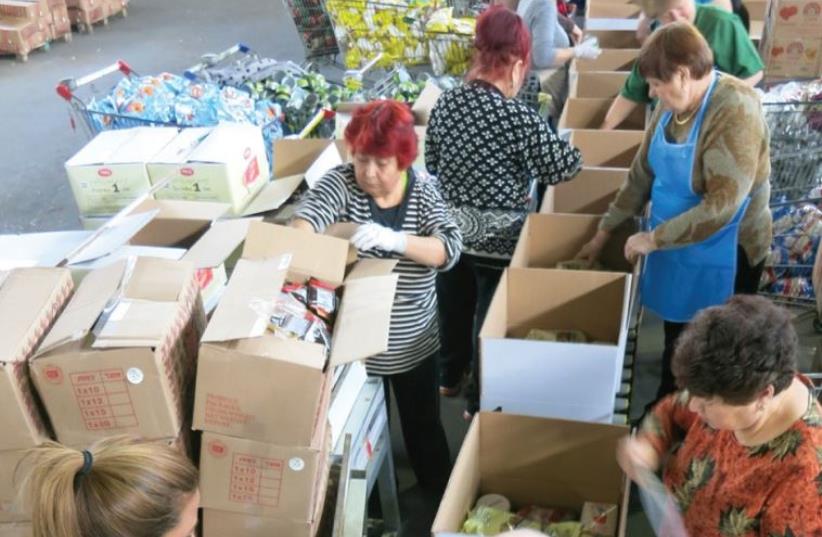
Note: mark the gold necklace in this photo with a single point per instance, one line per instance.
(681, 122)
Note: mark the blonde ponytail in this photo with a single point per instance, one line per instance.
(119, 487)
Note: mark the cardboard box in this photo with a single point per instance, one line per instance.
(610, 60)
(85, 5)
(252, 384)
(607, 149)
(110, 171)
(612, 10)
(795, 18)
(16, 529)
(19, 9)
(19, 36)
(792, 57)
(757, 9)
(552, 379)
(597, 85)
(13, 468)
(30, 301)
(227, 164)
(60, 23)
(619, 39)
(425, 103)
(85, 18)
(590, 192)
(224, 523)
(129, 372)
(580, 113)
(532, 461)
(266, 480)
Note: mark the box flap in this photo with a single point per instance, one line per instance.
(312, 254)
(131, 251)
(184, 210)
(218, 243)
(463, 486)
(342, 230)
(177, 151)
(158, 279)
(178, 222)
(295, 157)
(252, 281)
(85, 307)
(146, 142)
(273, 195)
(425, 103)
(366, 268)
(496, 320)
(100, 149)
(224, 144)
(330, 158)
(136, 323)
(111, 236)
(364, 319)
(39, 249)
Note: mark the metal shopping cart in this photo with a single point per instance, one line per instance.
(314, 28)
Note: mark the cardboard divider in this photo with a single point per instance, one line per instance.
(583, 113)
(619, 39)
(607, 149)
(590, 192)
(597, 84)
(611, 59)
(534, 461)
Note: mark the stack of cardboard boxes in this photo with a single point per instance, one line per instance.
(791, 45)
(262, 401)
(85, 13)
(26, 25)
(30, 301)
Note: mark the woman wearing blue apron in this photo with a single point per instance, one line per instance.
(704, 168)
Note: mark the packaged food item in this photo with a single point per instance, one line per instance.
(322, 299)
(579, 264)
(599, 519)
(535, 517)
(497, 501)
(559, 336)
(484, 520)
(564, 529)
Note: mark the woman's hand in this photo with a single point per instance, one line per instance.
(373, 235)
(591, 251)
(639, 244)
(576, 34)
(636, 456)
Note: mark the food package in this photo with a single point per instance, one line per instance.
(579, 264)
(599, 519)
(451, 42)
(559, 336)
(497, 501)
(564, 529)
(483, 520)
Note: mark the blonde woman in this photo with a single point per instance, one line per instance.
(119, 487)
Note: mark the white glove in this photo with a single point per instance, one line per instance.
(588, 49)
(369, 236)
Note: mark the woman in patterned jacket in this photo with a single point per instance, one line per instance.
(487, 149)
(741, 445)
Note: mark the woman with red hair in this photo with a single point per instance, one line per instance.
(401, 215)
(488, 150)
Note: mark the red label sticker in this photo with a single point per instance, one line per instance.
(251, 173)
(53, 374)
(104, 172)
(204, 277)
(217, 448)
(188, 172)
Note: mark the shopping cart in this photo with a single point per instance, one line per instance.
(314, 28)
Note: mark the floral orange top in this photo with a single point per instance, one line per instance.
(725, 489)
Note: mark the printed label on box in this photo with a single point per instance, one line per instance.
(222, 411)
(256, 480)
(104, 399)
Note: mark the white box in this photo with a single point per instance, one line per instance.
(547, 379)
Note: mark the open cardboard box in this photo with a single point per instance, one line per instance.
(282, 481)
(252, 384)
(120, 359)
(590, 192)
(534, 461)
(611, 59)
(30, 301)
(619, 39)
(612, 10)
(583, 113)
(555, 379)
(597, 85)
(607, 149)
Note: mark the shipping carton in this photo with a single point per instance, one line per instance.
(30, 301)
(590, 192)
(266, 480)
(612, 10)
(110, 171)
(13, 468)
(21, 36)
(607, 149)
(611, 59)
(791, 45)
(555, 379)
(121, 357)
(19, 9)
(228, 165)
(580, 113)
(60, 23)
(252, 384)
(619, 39)
(225, 523)
(597, 85)
(532, 461)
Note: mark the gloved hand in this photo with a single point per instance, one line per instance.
(588, 49)
(373, 235)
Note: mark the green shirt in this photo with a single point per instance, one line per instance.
(733, 50)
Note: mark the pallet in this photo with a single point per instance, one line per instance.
(85, 21)
(23, 57)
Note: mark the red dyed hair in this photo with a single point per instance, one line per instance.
(383, 129)
(501, 39)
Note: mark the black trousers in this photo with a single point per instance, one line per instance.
(418, 406)
(464, 294)
(746, 283)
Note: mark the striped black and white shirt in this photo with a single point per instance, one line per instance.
(414, 332)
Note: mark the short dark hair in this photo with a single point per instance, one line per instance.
(672, 46)
(501, 39)
(735, 351)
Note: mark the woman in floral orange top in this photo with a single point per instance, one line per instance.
(741, 444)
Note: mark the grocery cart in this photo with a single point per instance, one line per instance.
(314, 28)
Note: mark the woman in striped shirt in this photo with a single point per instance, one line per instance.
(402, 216)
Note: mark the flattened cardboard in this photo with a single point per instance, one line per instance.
(534, 461)
(177, 223)
(597, 85)
(38, 249)
(267, 480)
(549, 379)
(584, 113)
(590, 192)
(607, 149)
(273, 195)
(611, 59)
(619, 39)
(30, 300)
(92, 393)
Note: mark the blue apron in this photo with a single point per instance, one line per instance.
(678, 282)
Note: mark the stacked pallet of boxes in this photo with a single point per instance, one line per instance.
(261, 399)
(24, 26)
(85, 13)
(30, 301)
